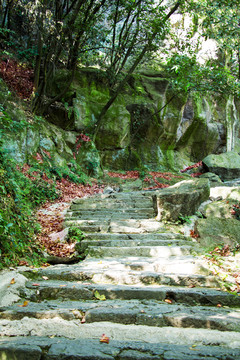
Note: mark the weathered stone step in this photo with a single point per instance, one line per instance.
(150, 313)
(117, 211)
(177, 265)
(110, 215)
(53, 290)
(129, 277)
(136, 237)
(134, 226)
(132, 243)
(108, 202)
(150, 251)
(127, 342)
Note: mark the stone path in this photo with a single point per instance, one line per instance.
(140, 285)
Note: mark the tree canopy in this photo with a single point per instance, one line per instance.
(119, 36)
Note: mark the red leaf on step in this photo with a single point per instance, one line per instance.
(104, 339)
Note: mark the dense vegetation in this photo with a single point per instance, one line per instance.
(38, 37)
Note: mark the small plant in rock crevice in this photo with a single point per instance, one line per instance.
(182, 219)
(75, 234)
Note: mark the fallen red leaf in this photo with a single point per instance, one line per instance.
(104, 339)
(83, 320)
(24, 304)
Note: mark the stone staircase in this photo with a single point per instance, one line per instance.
(140, 285)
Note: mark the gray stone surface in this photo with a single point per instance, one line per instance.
(226, 165)
(213, 178)
(181, 199)
(61, 348)
(11, 284)
(215, 231)
(142, 288)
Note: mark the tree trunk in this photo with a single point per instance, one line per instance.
(121, 85)
(38, 60)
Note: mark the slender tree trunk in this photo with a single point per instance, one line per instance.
(5, 15)
(121, 85)
(38, 60)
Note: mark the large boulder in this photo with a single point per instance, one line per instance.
(219, 226)
(181, 199)
(226, 165)
(216, 231)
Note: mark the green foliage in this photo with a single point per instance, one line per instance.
(184, 219)
(8, 124)
(186, 74)
(18, 196)
(75, 234)
(48, 168)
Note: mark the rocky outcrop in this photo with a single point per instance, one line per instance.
(147, 125)
(226, 165)
(181, 199)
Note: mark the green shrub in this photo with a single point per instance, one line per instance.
(18, 227)
(75, 234)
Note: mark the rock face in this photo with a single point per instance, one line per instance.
(226, 165)
(61, 146)
(181, 199)
(147, 125)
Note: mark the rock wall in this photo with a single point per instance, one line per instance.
(148, 125)
(23, 135)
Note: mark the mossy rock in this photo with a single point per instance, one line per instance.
(115, 131)
(215, 231)
(89, 159)
(220, 209)
(181, 199)
(124, 159)
(226, 166)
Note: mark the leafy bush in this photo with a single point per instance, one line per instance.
(18, 227)
(75, 234)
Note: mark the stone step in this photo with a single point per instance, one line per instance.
(89, 225)
(133, 226)
(150, 251)
(117, 211)
(178, 265)
(110, 203)
(59, 290)
(135, 237)
(126, 342)
(110, 215)
(149, 313)
(133, 243)
(129, 277)
(126, 196)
